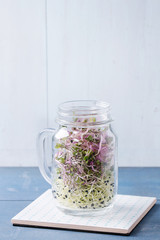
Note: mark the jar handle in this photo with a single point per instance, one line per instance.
(45, 152)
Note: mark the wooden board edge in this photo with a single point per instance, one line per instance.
(142, 216)
(69, 226)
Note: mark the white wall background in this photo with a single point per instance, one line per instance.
(97, 49)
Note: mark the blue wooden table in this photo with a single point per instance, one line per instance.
(20, 186)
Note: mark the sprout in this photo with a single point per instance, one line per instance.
(85, 177)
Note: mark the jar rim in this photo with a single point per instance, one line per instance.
(83, 109)
(84, 105)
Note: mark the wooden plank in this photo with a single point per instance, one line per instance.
(28, 184)
(67, 53)
(23, 80)
(140, 181)
(21, 183)
(124, 70)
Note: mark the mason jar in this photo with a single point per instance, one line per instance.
(79, 159)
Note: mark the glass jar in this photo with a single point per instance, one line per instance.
(83, 158)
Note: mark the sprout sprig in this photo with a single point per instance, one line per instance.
(85, 177)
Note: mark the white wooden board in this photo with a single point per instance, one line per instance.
(126, 213)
